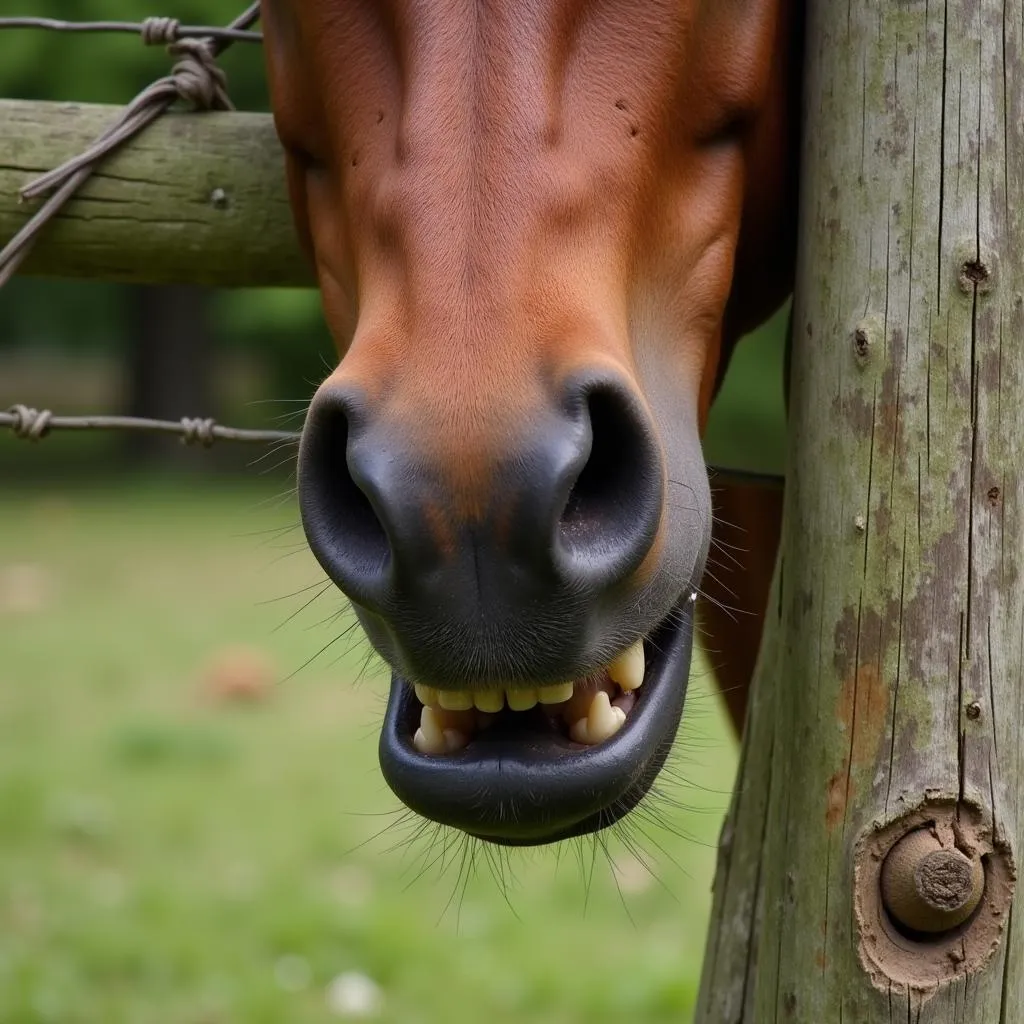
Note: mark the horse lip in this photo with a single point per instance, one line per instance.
(515, 793)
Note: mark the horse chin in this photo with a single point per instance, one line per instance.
(523, 780)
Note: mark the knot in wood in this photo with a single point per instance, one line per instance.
(928, 888)
(867, 335)
(976, 274)
(861, 343)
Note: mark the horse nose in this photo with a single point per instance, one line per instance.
(572, 505)
(610, 504)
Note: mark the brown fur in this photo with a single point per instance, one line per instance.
(497, 194)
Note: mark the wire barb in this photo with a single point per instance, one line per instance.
(156, 30)
(28, 424)
(198, 431)
(196, 79)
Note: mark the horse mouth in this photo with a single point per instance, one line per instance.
(532, 766)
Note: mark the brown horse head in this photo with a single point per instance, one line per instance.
(525, 219)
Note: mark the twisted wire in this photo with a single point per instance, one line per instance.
(195, 79)
(29, 424)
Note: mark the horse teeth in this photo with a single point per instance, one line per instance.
(578, 732)
(556, 694)
(450, 718)
(628, 668)
(489, 700)
(425, 694)
(602, 722)
(521, 700)
(430, 737)
(425, 745)
(455, 700)
(454, 740)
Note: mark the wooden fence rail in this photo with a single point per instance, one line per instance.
(197, 198)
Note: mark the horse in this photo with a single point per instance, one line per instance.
(538, 229)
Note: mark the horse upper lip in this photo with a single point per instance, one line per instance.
(518, 791)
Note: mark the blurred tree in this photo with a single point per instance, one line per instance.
(170, 362)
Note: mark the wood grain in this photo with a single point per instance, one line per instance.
(891, 678)
(196, 198)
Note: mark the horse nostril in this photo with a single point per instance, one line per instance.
(342, 526)
(614, 507)
(573, 510)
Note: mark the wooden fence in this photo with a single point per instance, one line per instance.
(890, 692)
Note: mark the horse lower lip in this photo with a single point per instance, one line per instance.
(534, 789)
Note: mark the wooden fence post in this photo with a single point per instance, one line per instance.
(890, 692)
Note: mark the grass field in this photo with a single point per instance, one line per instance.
(172, 856)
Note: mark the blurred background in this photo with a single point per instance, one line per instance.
(193, 828)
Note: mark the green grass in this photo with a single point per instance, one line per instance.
(168, 858)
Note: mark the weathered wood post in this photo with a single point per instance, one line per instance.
(890, 693)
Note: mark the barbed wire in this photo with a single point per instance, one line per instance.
(28, 424)
(195, 78)
(153, 31)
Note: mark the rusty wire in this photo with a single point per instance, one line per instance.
(195, 78)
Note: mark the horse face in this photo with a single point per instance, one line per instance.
(524, 218)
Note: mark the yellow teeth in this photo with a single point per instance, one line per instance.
(455, 700)
(521, 700)
(449, 718)
(432, 738)
(489, 700)
(628, 668)
(425, 694)
(493, 701)
(429, 737)
(422, 744)
(602, 722)
(554, 694)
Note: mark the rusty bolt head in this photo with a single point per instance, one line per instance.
(974, 710)
(928, 888)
